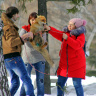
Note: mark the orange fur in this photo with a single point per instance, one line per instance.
(38, 25)
(35, 28)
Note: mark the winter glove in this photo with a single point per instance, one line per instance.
(65, 29)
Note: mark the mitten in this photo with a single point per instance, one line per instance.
(65, 29)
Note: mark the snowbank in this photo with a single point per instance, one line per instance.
(89, 85)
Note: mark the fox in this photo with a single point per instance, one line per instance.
(38, 42)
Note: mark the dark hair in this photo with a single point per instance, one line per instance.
(11, 11)
(32, 15)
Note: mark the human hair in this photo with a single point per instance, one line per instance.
(32, 15)
(10, 11)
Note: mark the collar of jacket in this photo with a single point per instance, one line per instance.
(8, 21)
(26, 27)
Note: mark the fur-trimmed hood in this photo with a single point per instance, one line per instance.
(7, 21)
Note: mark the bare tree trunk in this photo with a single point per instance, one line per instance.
(42, 10)
(4, 88)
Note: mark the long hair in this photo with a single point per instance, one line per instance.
(32, 15)
(11, 11)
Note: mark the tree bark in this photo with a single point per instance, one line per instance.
(4, 88)
(47, 81)
(42, 10)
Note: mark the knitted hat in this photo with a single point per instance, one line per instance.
(78, 22)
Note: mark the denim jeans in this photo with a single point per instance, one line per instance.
(16, 68)
(40, 69)
(76, 82)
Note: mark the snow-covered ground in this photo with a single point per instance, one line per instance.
(89, 85)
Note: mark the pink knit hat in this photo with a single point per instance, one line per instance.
(78, 22)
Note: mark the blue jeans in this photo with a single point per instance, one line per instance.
(16, 68)
(76, 82)
(40, 69)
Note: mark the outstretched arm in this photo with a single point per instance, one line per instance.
(54, 32)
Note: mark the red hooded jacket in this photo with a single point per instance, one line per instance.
(72, 57)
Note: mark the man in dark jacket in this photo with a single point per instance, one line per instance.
(11, 50)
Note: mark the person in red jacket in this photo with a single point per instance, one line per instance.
(72, 57)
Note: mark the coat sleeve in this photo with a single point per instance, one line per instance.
(56, 34)
(78, 43)
(22, 32)
(12, 38)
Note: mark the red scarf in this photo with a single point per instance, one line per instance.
(26, 27)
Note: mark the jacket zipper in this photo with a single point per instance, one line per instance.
(67, 61)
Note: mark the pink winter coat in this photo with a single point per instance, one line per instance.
(72, 57)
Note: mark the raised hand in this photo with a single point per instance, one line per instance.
(65, 36)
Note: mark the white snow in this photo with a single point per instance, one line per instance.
(89, 85)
